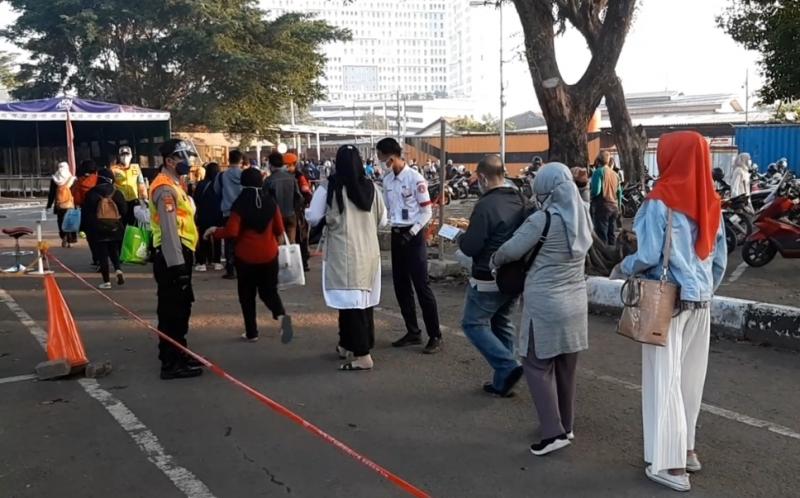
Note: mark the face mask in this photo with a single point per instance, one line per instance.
(482, 186)
(183, 168)
(384, 165)
(126, 160)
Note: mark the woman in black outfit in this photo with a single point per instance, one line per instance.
(209, 214)
(106, 233)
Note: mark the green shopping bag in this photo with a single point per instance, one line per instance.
(135, 245)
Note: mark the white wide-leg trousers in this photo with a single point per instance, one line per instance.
(673, 377)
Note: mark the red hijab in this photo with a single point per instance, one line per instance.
(685, 185)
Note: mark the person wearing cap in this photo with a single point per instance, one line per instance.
(283, 187)
(302, 230)
(129, 180)
(175, 238)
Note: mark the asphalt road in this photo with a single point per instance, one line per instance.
(424, 418)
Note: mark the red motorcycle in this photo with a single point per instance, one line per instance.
(776, 226)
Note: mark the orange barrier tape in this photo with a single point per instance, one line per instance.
(268, 402)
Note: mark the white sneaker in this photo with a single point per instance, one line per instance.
(218, 267)
(677, 483)
(104, 286)
(693, 463)
(571, 435)
(200, 268)
(249, 339)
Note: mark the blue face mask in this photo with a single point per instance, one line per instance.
(182, 168)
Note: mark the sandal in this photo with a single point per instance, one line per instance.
(350, 367)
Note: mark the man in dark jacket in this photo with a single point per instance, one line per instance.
(283, 187)
(106, 233)
(487, 312)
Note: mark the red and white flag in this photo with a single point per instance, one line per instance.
(70, 146)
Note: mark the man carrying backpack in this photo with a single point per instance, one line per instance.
(103, 212)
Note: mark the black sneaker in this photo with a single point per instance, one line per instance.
(434, 345)
(546, 446)
(192, 362)
(229, 276)
(489, 388)
(408, 340)
(180, 371)
(512, 380)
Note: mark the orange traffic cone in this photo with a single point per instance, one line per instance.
(63, 339)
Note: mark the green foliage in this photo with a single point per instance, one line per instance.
(773, 29)
(487, 124)
(214, 64)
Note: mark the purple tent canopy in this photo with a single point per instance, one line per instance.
(55, 109)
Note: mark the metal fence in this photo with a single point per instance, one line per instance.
(24, 186)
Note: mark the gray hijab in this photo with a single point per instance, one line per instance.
(554, 180)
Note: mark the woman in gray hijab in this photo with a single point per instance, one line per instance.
(555, 313)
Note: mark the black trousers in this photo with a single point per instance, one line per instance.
(106, 250)
(605, 222)
(129, 217)
(230, 249)
(261, 280)
(208, 251)
(409, 274)
(357, 330)
(174, 307)
(302, 237)
(71, 237)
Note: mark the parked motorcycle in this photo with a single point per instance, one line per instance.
(522, 184)
(777, 228)
(632, 199)
(738, 217)
(460, 187)
(435, 191)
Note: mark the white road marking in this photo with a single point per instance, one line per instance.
(720, 412)
(737, 273)
(144, 438)
(17, 378)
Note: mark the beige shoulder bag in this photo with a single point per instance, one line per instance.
(649, 305)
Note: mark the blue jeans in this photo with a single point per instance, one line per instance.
(487, 324)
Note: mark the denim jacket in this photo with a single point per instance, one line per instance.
(697, 279)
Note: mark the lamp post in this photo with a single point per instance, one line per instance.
(499, 5)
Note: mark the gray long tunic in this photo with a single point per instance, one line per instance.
(555, 304)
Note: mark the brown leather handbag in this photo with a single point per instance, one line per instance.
(649, 305)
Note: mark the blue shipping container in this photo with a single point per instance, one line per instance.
(768, 143)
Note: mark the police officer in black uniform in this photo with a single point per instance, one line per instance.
(409, 207)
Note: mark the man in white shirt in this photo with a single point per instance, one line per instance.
(409, 206)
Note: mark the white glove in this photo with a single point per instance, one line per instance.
(209, 233)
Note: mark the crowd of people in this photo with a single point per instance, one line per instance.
(244, 215)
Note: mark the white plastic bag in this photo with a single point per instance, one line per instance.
(290, 265)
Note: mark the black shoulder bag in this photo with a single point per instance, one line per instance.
(510, 277)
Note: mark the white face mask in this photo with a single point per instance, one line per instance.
(126, 159)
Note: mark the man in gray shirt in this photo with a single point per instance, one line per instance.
(282, 185)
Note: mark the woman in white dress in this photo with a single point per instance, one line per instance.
(352, 209)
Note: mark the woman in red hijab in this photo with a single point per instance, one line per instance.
(673, 376)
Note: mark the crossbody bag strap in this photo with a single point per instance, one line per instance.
(541, 242)
(667, 250)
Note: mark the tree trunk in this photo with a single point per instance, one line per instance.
(568, 108)
(631, 143)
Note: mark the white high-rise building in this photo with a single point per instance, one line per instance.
(397, 46)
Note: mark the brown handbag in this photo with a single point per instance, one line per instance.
(649, 305)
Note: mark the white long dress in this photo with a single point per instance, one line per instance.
(338, 298)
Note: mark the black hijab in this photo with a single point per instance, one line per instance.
(254, 206)
(350, 174)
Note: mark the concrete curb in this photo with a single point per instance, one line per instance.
(22, 205)
(730, 317)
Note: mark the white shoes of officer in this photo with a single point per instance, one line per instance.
(200, 268)
(218, 267)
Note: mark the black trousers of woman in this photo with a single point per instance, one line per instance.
(261, 280)
(70, 237)
(106, 250)
(208, 251)
(357, 330)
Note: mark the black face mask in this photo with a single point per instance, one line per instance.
(183, 168)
